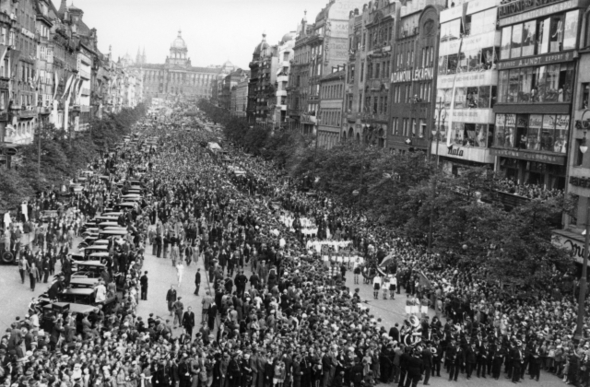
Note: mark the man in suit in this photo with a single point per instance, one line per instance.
(454, 358)
(144, 285)
(171, 298)
(517, 361)
(470, 359)
(394, 332)
(188, 322)
(415, 366)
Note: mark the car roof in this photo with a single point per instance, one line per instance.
(79, 291)
(90, 263)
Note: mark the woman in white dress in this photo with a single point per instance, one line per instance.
(179, 272)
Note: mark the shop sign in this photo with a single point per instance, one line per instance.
(470, 43)
(540, 157)
(455, 152)
(572, 245)
(537, 61)
(478, 155)
(424, 74)
(583, 182)
(479, 78)
(475, 116)
(528, 5)
(27, 33)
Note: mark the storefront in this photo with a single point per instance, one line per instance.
(537, 71)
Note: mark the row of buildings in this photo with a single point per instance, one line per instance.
(51, 72)
(502, 84)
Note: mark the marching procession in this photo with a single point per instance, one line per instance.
(278, 309)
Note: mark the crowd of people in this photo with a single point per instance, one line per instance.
(276, 314)
(531, 191)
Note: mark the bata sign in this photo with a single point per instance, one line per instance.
(424, 74)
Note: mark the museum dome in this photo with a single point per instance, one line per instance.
(178, 43)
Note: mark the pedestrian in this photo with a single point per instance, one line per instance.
(144, 285)
(33, 273)
(188, 322)
(197, 281)
(23, 266)
(178, 308)
(179, 272)
(376, 286)
(206, 302)
(171, 299)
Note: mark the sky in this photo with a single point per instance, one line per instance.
(215, 31)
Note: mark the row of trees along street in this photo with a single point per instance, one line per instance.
(62, 157)
(405, 193)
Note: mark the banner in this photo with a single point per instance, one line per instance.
(56, 84)
(67, 87)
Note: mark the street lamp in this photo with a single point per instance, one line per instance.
(582, 296)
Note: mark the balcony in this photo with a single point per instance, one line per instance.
(27, 112)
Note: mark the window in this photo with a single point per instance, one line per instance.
(547, 133)
(556, 33)
(451, 30)
(515, 47)
(506, 41)
(528, 38)
(405, 128)
(394, 127)
(443, 65)
(362, 70)
(459, 98)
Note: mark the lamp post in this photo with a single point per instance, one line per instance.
(441, 116)
(315, 152)
(582, 296)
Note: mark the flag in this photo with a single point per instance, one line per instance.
(390, 257)
(423, 279)
(56, 80)
(3, 51)
(67, 87)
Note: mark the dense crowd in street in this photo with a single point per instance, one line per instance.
(278, 311)
(531, 191)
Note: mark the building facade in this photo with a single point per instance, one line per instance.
(378, 35)
(578, 162)
(413, 78)
(466, 85)
(228, 83)
(52, 73)
(298, 87)
(330, 119)
(261, 87)
(536, 80)
(177, 76)
(319, 47)
(240, 95)
(285, 56)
